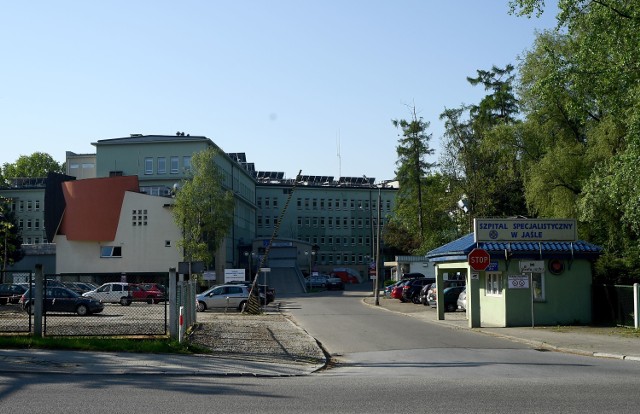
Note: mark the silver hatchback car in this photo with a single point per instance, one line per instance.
(223, 297)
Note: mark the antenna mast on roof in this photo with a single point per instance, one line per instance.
(339, 158)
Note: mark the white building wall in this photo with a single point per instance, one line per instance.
(150, 247)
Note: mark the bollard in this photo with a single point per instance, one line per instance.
(181, 325)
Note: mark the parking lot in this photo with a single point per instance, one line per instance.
(139, 318)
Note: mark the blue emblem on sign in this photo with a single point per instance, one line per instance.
(493, 234)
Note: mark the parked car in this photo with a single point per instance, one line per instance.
(450, 298)
(348, 275)
(396, 292)
(233, 296)
(389, 288)
(10, 293)
(62, 299)
(79, 287)
(140, 294)
(113, 292)
(462, 300)
(335, 283)
(411, 289)
(317, 281)
(425, 292)
(268, 292)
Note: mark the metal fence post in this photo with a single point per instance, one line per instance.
(636, 317)
(173, 299)
(37, 304)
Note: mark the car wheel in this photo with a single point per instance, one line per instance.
(416, 300)
(451, 307)
(150, 300)
(82, 310)
(125, 301)
(241, 306)
(201, 307)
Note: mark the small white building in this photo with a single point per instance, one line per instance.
(109, 228)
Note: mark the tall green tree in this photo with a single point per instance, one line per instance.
(481, 148)
(35, 165)
(581, 84)
(10, 236)
(203, 209)
(413, 170)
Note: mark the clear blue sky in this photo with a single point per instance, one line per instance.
(291, 83)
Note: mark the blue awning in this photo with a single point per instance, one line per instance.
(458, 250)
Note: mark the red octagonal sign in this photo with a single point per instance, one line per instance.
(479, 259)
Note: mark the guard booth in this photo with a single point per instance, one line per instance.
(522, 272)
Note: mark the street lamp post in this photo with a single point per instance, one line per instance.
(376, 294)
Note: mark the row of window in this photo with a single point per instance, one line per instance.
(159, 165)
(323, 222)
(342, 259)
(26, 205)
(325, 204)
(31, 224)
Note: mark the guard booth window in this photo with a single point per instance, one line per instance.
(537, 280)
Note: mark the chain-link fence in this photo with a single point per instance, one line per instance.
(12, 318)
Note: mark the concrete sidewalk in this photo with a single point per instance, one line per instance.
(603, 342)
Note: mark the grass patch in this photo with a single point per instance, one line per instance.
(146, 345)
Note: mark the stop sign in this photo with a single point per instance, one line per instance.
(479, 259)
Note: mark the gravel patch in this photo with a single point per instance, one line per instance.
(271, 337)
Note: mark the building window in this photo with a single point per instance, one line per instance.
(494, 284)
(174, 165)
(274, 203)
(267, 221)
(148, 166)
(306, 204)
(36, 224)
(21, 205)
(259, 221)
(537, 280)
(266, 202)
(111, 251)
(329, 204)
(21, 223)
(29, 225)
(186, 162)
(314, 204)
(162, 165)
(299, 221)
(29, 205)
(259, 202)
(37, 205)
(322, 204)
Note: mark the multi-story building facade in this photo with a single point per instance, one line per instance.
(332, 222)
(338, 217)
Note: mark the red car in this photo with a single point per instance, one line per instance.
(396, 293)
(140, 294)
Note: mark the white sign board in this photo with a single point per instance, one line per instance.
(515, 230)
(518, 282)
(532, 266)
(233, 275)
(209, 275)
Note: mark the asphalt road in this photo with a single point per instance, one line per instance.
(385, 362)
